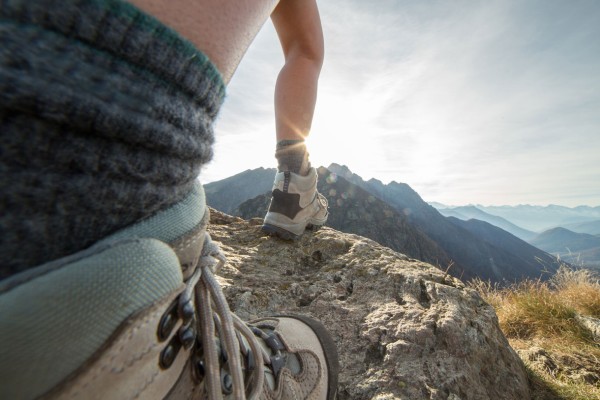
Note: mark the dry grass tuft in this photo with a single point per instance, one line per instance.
(534, 314)
(532, 309)
(580, 289)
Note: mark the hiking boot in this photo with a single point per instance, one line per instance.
(296, 205)
(140, 315)
(295, 369)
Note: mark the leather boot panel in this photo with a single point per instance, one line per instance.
(128, 366)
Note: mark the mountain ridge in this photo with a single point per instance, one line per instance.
(472, 212)
(248, 184)
(577, 248)
(590, 227)
(464, 247)
(542, 218)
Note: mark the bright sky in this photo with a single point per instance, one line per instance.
(493, 102)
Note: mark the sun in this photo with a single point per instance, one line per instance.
(342, 132)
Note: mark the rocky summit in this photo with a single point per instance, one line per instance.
(404, 329)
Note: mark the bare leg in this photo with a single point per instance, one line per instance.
(222, 29)
(299, 29)
(296, 204)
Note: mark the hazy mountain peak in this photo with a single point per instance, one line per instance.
(472, 208)
(375, 181)
(577, 248)
(559, 230)
(541, 218)
(230, 192)
(345, 172)
(339, 168)
(439, 206)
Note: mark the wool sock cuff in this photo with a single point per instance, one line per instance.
(105, 118)
(292, 156)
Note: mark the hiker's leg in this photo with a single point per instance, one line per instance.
(296, 204)
(225, 33)
(222, 29)
(67, 176)
(298, 26)
(106, 119)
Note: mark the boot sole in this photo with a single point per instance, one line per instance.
(329, 348)
(284, 234)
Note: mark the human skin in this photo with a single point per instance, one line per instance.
(224, 29)
(298, 26)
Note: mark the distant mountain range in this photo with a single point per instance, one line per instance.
(576, 248)
(396, 216)
(574, 242)
(230, 192)
(582, 219)
(497, 256)
(471, 212)
(591, 227)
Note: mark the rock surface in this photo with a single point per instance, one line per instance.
(404, 330)
(578, 367)
(592, 324)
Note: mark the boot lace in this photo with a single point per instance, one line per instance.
(214, 318)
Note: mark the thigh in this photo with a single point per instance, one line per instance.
(222, 29)
(299, 29)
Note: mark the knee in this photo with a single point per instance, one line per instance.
(309, 53)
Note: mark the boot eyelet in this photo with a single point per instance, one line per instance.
(199, 370)
(169, 353)
(187, 312)
(226, 382)
(167, 322)
(187, 336)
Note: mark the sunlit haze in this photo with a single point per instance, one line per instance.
(469, 102)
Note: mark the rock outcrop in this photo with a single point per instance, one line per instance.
(404, 329)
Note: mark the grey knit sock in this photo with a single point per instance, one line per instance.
(292, 156)
(105, 118)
